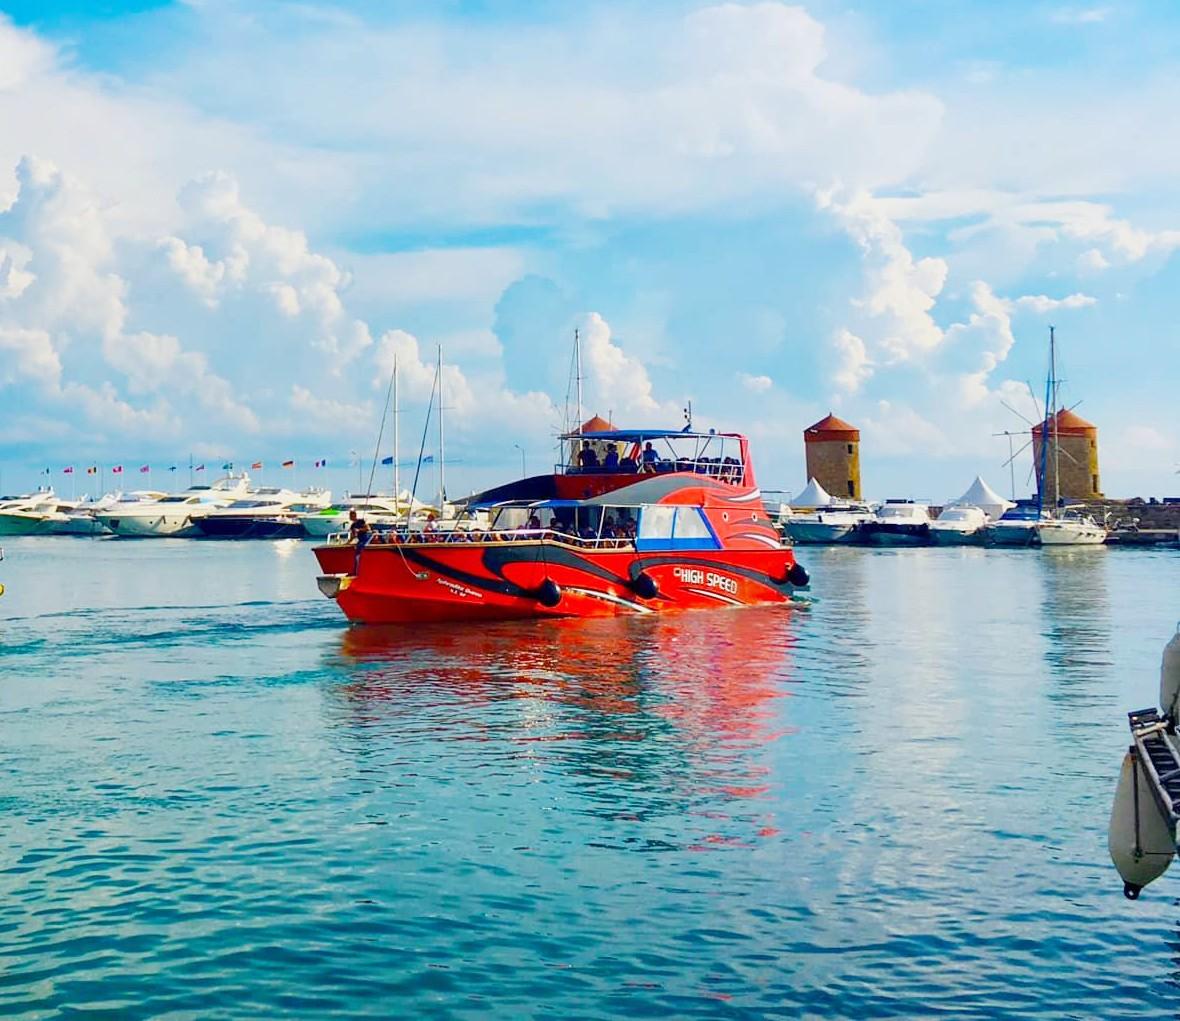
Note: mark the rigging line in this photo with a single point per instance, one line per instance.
(422, 446)
(381, 431)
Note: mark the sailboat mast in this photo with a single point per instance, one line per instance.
(578, 376)
(397, 485)
(1056, 445)
(442, 479)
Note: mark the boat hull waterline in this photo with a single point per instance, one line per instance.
(413, 582)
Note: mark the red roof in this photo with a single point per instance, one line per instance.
(597, 424)
(830, 428)
(1068, 424)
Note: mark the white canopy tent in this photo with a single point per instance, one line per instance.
(814, 495)
(981, 495)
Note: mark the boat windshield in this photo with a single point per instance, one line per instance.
(179, 499)
(248, 504)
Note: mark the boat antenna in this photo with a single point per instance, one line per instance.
(381, 430)
(422, 445)
(578, 376)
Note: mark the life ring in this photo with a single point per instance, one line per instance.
(549, 593)
(645, 586)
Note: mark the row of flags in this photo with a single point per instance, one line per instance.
(145, 469)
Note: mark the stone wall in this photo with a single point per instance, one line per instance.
(835, 465)
(1079, 468)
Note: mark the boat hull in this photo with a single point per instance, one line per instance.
(1067, 535)
(133, 526)
(20, 524)
(819, 533)
(467, 581)
(1012, 535)
(956, 537)
(218, 527)
(878, 534)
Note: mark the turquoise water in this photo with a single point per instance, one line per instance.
(217, 801)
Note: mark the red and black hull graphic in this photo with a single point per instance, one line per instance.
(408, 582)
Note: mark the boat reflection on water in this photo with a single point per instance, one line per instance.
(646, 717)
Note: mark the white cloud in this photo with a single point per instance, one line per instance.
(853, 367)
(1081, 15)
(1042, 303)
(755, 384)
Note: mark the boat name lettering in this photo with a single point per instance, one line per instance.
(693, 576)
(459, 590)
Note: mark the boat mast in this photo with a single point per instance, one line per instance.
(442, 483)
(1056, 446)
(578, 376)
(397, 485)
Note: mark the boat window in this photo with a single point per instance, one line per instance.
(667, 528)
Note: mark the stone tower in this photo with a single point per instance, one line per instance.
(833, 456)
(1078, 458)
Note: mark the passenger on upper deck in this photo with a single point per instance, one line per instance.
(587, 456)
(611, 461)
(650, 458)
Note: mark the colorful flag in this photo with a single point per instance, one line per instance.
(144, 468)
(256, 466)
(288, 464)
(321, 464)
(172, 469)
(117, 470)
(199, 468)
(68, 471)
(47, 472)
(228, 466)
(428, 459)
(387, 460)
(92, 470)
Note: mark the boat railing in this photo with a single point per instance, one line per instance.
(724, 469)
(482, 536)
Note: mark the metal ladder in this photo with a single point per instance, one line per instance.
(1154, 748)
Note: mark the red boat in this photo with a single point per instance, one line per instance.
(634, 521)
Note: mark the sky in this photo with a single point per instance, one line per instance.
(221, 221)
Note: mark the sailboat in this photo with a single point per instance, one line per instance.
(1061, 526)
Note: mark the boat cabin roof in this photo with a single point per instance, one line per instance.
(640, 435)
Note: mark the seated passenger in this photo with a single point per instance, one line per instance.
(534, 523)
(611, 461)
(609, 529)
(587, 456)
(627, 464)
(650, 457)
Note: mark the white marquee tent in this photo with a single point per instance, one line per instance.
(813, 495)
(982, 495)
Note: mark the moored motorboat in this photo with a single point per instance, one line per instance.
(631, 522)
(263, 513)
(958, 526)
(172, 515)
(1016, 527)
(814, 517)
(1072, 527)
(377, 510)
(898, 523)
(26, 515)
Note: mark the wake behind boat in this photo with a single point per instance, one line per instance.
(631, 522)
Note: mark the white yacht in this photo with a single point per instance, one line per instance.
(898, 523)
(377, 511)
(26, 515)
(1071, 528)
(172, 515)
(80, 517)
(958, 526)
(264, 513)
(814, 517)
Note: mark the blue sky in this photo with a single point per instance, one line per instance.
(223, 219)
